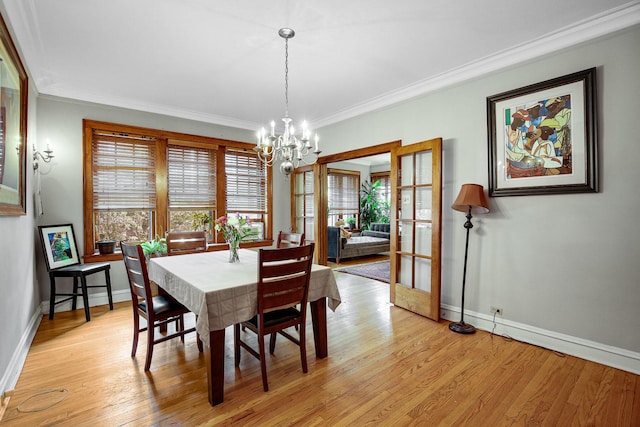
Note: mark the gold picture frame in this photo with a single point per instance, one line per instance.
(13, 127)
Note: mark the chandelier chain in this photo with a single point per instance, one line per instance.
(286, 77)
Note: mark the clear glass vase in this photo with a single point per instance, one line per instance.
(234, 245)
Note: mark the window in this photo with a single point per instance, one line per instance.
(303, 215)
(192, 187)
(343, 195)
(124, 190)
(246, 188)
(141, 182)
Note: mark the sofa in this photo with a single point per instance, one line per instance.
(378, 229)
(369, 242)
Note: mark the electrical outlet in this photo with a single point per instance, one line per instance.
(496, 310)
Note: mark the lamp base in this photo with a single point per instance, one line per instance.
(462, 328)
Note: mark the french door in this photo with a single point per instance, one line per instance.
(416, 208)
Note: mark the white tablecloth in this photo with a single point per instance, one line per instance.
(222, 294)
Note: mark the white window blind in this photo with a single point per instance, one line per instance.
(191, 177)
(343, 192)
(124, 171)
(246, 182)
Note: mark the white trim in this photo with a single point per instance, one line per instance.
(615, 357)
(12, 373)
(96, 299)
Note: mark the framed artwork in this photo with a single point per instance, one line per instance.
(13, 127)
(59, 245)
(543, 137)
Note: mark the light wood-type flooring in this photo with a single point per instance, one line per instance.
(386, 366)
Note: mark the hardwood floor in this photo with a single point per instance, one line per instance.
(386, 366)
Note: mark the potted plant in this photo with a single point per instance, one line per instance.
(155, 247)
(369, 204)
(351, 222)
(105, 245)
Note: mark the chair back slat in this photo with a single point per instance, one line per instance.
(186, 242)
(136, 266)
(289, 240)
(283, 277)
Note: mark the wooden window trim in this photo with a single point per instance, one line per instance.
(161, 220)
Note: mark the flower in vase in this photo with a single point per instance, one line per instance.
(234, 228)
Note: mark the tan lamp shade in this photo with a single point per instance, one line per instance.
(471, 195)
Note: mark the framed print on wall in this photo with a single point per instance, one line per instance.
(59, 244)
(13, 127)
(543, 137)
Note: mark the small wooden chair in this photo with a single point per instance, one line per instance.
(289, 240)
(157, 310)
(283, 284)
(186, 242)
(62, 260)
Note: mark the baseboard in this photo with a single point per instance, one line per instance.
(615, 357)
(99, 298)
(596, 352)
(12, 373)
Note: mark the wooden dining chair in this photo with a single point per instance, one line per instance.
(283, 285)
(186, 242)
(289, 240)
(157, 310)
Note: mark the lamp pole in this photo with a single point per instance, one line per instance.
(460, 326)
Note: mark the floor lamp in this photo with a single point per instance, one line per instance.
(470, 200)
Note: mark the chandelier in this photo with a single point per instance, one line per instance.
(289, 149)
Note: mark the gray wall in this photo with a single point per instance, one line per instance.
(19, 297)
(564, 268)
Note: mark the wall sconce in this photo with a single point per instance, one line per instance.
(46, 157)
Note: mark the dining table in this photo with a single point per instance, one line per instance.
(222, 294)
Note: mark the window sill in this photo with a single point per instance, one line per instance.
(225, 246)
(97, 257)
(117, 255)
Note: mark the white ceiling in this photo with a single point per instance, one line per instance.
(222, 61)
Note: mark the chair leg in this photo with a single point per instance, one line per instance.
(74, 304)
(263, 363)
(85, 297)
(199, 343)
(150, 341)
(272, 343)
(198, 340)
(181, 327)
(52, 296)
(109, 294)
(236, 344)
(136, 333)
(303, 348)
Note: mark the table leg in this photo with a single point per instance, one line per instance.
(319, 319)
(215, 367)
